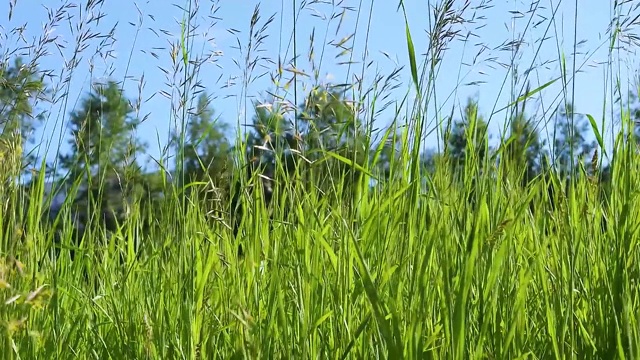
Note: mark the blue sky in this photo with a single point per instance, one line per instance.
(130, 54)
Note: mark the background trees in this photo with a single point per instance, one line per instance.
(468, 135)
(329, 123)
(102, 161)
(20, 87)
(524, 150)
(571, 149)
(207, 152)
(329, 138)
(102, 132)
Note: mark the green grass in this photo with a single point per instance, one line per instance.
(421, 266)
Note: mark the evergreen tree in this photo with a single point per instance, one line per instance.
(102, 134)
(524, 147)
(470, 132)
(207, 150)
(103, 155)
(570, 146)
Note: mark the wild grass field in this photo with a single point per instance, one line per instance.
(366, 238)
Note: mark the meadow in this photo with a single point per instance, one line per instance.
(483, 251)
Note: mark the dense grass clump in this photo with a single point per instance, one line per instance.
(354, 243)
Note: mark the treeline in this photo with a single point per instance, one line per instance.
(103, 165)
(327, 144)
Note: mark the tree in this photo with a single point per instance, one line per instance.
(208, 162)
(570, 145)
(272, 141)
(275, 148)
(468, 133)
(102, 133)
(206, 148)
(269, 145)
(524, 146)
(103, 152)
(329, 124)
(20, 87)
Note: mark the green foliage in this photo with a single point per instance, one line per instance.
(326, 124)
(207, 150)
(416, 271)
(103, 153)
(102, 133)
(408, 269)
(389, 157)
(329, 123)
(20, 87)
(271, 140)
(22, 298)
(571, 149)
(634, 104)
(430, 160)
(524, 147)
(468, 137)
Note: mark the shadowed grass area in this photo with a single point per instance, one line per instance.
(466, 259)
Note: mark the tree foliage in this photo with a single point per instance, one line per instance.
(103, 155)
(326, 124)
(571, 148)
(524, 147)
(330, 125)
(20, 87)
(206, 149)
(469, 134)
(102, 133)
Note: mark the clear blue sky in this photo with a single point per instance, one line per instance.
(505, 20)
